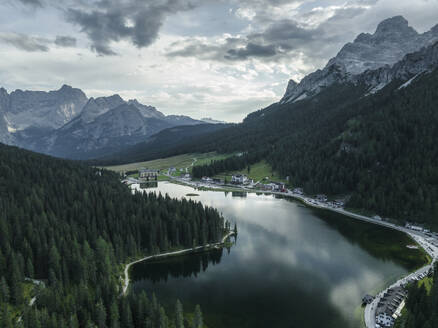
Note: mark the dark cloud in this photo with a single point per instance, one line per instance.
(251, 50)
(276, 41)
(276, 38)
(65, 41)
(138, 21)
(35, 3)
(25, 42)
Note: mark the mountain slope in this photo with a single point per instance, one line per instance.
(113, 130)
(392, 40)
(168, 141)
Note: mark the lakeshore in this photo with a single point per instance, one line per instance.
(420, 238)
(125, 281)
(256, 207)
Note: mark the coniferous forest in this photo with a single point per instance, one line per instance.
(66, 229)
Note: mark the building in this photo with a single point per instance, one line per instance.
(298, 191)
(148, 174)
(321, 198)
(391, 303)
(239, 179)
(384, 320)
(367, 299)
(207, 180)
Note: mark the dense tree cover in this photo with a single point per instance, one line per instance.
(421, 306)
(163, 144)
(228, 164)
(71, 226)
(380, 148)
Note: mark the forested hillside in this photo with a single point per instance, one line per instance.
(380, 148)
(160, 145)
(71, 226)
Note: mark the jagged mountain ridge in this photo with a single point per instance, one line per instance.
(392, 40)
(66, 123)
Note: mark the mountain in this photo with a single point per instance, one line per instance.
(392, 40)
(109, 132)
(43, 110)
(65, 123)
(147, 111)
(99, 106)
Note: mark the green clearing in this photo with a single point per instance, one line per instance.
(427, 283)
(258, 172)
(178, 162)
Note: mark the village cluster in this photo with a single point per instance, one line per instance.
(392, 301)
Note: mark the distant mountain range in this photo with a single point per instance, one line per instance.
(65, 123)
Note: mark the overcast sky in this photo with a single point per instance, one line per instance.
(203, 58)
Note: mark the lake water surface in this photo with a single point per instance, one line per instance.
(291, 266)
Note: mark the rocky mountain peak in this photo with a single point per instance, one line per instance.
(396, 24)
(291, 85)
(98, 106)
(392, 40)
(65, 87)
(146, 111)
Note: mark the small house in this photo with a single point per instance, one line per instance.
(239, 179)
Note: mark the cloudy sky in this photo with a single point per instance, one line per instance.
(203, 58)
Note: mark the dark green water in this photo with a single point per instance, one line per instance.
(291, 266)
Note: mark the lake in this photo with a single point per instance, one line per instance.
(290, 266)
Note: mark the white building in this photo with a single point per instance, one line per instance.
(239, 179)
(384, 320)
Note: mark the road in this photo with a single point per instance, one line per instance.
(180, 252)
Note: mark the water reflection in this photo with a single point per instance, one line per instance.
(176, 267)
(292, 266)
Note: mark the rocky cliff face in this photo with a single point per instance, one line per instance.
(99, 106)
(118, 127)
(46, 110)
(392, 40)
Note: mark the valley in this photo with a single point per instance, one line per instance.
(231, 164)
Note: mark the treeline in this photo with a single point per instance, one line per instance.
(71, 226)
(380, 149)
(421, 307)
(232, 163)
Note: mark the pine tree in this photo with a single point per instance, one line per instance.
(4, 290)
(114, 316)
(197, 320)
(179, 314)
(101, 315)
